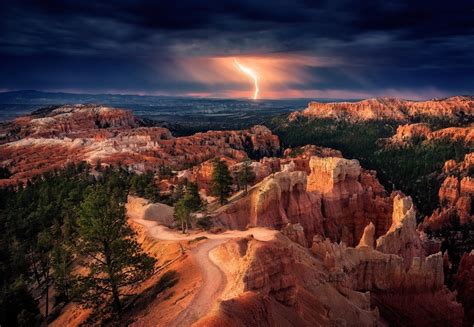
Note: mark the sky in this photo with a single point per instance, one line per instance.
(295, 49)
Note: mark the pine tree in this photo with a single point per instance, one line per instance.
(186, 205)
(194, 199)
(245, 175)
(221, 181)
(107, 244)
(182, 213)
(43, 249)
(62, 272)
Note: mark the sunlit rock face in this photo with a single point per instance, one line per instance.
(111, 136)
(351, 198)
(455, 196)
(409, 134)
(337, 199)
(71, 120)
(281, 283)
(274, 202)
(398, 272)
(390, 109)
(389, 278)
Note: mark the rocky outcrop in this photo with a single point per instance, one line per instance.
(300, 157)
(409, 134)
(351, 198)
(73, 119)
(402, 238)
(141, 209)
(389, 279)
(464, 285)
(454, 134)
(98, 134)
(453, 108)
(278, 283)
(338, 199)
(368, 237)
(455, 196)
(295, 232)
(402, 279)
(276, 201)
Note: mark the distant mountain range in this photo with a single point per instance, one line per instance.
(40, 97)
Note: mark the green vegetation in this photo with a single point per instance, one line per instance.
(50, 223)
(416, 169)
(186, 205)
(143, 186)
(413, 169)
(221, 181)
(245, 175)
(353, 140)
(108, 247)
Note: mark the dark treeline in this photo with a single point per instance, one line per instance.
(51, 222)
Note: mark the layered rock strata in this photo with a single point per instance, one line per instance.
(454, 108)
(338, 199)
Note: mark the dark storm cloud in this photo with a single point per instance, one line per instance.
(131, 46)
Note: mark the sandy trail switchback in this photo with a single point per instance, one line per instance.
(213, 278)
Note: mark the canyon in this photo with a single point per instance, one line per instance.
(102, 135)
(315, 240)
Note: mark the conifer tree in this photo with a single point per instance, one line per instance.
(107, 243)
(245, 175)
(190, 201)
(221, 180)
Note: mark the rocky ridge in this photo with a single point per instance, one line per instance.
(337, 199)
(409, 133)
(455, 196)
(453, 108)
(109, 136)
(335, 284)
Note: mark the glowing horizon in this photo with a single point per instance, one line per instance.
(252, 74)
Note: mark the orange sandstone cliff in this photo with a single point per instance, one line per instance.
(454, 108)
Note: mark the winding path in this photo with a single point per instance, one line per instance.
(213, 278)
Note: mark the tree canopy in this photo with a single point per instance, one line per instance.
(221, 181)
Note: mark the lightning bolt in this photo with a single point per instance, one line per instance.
(250, 73)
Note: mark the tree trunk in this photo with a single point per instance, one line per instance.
(222, 199)
(116, 300)
(35, 270)
(113, 284)
(46, 310)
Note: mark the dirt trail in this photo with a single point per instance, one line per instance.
(213, 278)
(213, 283)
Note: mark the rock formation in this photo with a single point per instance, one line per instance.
(464, 285)
(276, 201)
(141, 209)
(106, 135)
(73, 119)
(337, 199)
(278, 283)
(351, 198)
(402, 238)
(455, 196)
(398, 273)
(407, 134)
(453, 108)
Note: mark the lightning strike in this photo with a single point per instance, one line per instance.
(250, 73)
